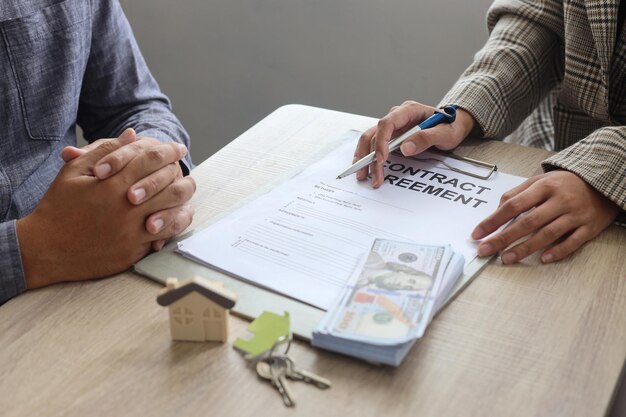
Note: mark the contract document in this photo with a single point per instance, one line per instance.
(304, 238)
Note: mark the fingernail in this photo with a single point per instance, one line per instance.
(190, 208)
(182, 148)
(379, 158)
(547, 258)
(485, 249)
(127, 135)
(158, 225)
(102, 170)
(408, 148)
(509, 258)
(478, 233)
(139, 194)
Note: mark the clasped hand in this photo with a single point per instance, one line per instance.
(109, 205)
(562, 210)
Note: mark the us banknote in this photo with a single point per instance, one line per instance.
(391, 296)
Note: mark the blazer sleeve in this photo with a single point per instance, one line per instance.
(520, 64)
(11, 273)
(118, 89)
(600, 160)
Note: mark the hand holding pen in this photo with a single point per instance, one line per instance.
(400, 120)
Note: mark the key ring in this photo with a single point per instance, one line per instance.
(281, 340)
(272, 355)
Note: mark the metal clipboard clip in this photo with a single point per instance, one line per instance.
(489, 168)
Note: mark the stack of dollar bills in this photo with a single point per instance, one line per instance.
(389, 300)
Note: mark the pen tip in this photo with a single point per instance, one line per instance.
(338, 177)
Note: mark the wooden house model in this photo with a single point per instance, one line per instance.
(198, 308)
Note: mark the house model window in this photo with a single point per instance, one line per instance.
(182, 315)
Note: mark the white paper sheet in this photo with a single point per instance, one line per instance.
(304, 238)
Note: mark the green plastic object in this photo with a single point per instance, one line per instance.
(268, 329)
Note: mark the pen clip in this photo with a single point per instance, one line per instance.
(446, 114)
(449, 112)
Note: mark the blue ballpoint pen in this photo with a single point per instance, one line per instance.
(444, 115)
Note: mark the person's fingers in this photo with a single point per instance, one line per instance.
(362, 149)
(157, 245)
(139, 159)
(384, 132)
(159, 221)
(154, 183)
(410, 113)
(86, 162)
(128, 135)
(518, 189)
(417, 143)
(568, 246)
(444, 136)
(153, 159)
(96, 150)
(479, 232)
(376, 167)
(547, 235)
(175, 194)
(506, 212)
(71, 152)
(363, 144)
(398, 121)
(521, 227)
(175, 221)
(380, 146)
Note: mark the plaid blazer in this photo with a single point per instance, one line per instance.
(553, 74)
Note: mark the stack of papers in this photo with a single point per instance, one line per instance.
(389, 300)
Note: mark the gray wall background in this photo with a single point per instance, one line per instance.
(227, 64)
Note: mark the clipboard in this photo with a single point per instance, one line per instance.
(253, 299)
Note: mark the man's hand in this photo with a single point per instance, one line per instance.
(565, 210)
(70, 153)
(161, 168)
(85, 227)
(399, 120)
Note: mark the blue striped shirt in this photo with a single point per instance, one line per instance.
(63, 63)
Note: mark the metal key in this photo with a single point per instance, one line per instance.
(299, 374)
(275, 371)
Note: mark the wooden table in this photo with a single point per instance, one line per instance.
(522, 340)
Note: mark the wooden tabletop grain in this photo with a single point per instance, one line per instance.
(521, 340)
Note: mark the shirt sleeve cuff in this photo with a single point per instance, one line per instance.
(12, 280)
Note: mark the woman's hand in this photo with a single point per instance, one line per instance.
(399, 120)
(565, 210)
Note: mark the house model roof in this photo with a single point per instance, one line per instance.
(214, 292)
